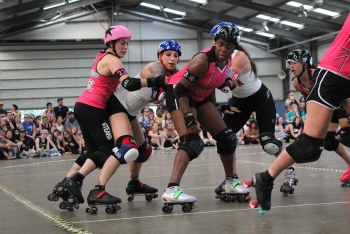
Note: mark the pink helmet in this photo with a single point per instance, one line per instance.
(116, 32)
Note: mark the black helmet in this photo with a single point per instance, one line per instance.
(226, 31)
(299, 55)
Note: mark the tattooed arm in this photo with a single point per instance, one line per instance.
(153, 69)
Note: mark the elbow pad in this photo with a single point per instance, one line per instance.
(157, 82)
(180, 91)
(131, 84)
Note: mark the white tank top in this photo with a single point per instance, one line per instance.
(133, 101)
(251, 84)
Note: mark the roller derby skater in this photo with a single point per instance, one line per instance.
(289, 182)
(175, 196)
(345, 178)
(263, 192)
(99, 196)
(231, 190)
(137, 188)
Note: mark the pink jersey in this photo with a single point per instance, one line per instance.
(100, 88)
(337, 56)
(210, 80)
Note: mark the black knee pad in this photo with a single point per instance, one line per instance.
(344, 136)
(307, 149)
(226, 142)
(192, 144)
(81, 159)
(269, 143)
(99, 158)
(330, 143)
(107, 149)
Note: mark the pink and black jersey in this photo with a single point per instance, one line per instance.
(337, 56)
(213, 78)
(100, 88)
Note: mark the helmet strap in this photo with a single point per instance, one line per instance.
(302, 72)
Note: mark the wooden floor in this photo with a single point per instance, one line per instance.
(319, 204)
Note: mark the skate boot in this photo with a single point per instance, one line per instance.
(345, 178)
(234, 191)
(289, 182)
(175, 196)
(263, 194)
(99, 196)
(60, 191)
(74, 187)
(136, 188)
(220, 189)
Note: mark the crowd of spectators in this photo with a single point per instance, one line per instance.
(55, 132)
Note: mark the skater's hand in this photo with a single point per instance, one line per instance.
(226, 109)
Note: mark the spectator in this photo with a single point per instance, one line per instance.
(14, 111)
(42, 145)
(71, 121)
(294, 112)
(31, 117)
(26, 144)
(302, 111)
(5, 125)
(74, 134)
(144, 118)
(295, 129)
(29, 126)
(280, 132)
(167, 119)
(57, 140)
(9, 116)
(171, 136)
(45, 124)
(207, 138)
(252, 134)
(157, 138)
(159, 118)
(61, 110)
(240, 136)
(70, 145)
(12, 141)
(293, 101)
(59, 126)
(17, 125)
(5, 149)
(49, 113)
(162, 106)
(38, 126)
(2, 111)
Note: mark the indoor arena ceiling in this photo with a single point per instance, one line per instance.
(275, 24)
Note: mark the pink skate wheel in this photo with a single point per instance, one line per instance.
(253, 204)
(247, 183)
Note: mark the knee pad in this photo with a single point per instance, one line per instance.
(99, 158)
(344, 136)
(81, 159)
(269, 143)
(307, 149)
(192, 144)
(330, 143)
(145, 153)
(126, 149)
(226, 142)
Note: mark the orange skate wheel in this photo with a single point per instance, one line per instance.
(247, 183)
(253, 204)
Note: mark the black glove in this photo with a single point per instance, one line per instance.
(222, 108)
(157, 82)
(189, 120)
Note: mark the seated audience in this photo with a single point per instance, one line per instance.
(252, 134)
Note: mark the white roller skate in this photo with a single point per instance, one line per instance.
(175, 196)
(234, 191)
(289, 182)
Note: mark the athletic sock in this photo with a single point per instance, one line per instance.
(172, 185)
(78, 177)
(134, 183)
(267, 178)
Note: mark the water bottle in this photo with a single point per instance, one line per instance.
(14, 151)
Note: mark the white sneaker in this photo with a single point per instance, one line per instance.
(54, 154)
(176, 195)
(234, 186)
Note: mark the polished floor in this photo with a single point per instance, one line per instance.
(319, 204)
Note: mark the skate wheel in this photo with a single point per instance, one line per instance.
(253, 204)
(76, 206)
(88, 210)
(240, 199)
(71, 209)
(62, 205)
(49, 197)
(233, 198)
(155, 195)
(110, 210)
(186, 208)
(54, 197)
(227, 198)
(291, 191)
(130, 198)
(167, 209)
(262, 212)
(296, 181)
(247, 183)
(285, 194)
(149, 198)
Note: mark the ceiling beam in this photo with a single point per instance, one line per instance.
(338, 4)
(223, 17)
(328, 26)
(45, 13)
(26, 6)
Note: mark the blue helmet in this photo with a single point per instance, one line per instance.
(226, 31)
(169, 45)
(299, 55)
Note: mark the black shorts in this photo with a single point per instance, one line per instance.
(328, 89)
(338, 114)
(114, 106)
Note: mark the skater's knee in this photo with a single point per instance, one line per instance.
(269, 143)
(307, 149)
(126, 149)
(330, 143)
(192, 144)
(226, 142)
(145, 153)
(99, 158)
(81, 159)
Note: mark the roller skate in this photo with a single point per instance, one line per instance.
(345, 178)
(220, 189)
(263, 193)
(74, 187)
(289, 182)
(136, 188)
(232, 191)
(60, 191)
(175, 196)
(99, 196)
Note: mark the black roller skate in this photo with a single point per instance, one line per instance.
(289, 182)
(60, 191)
(263, 194)
(99, 196)
(136, 188)
(74, 187)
